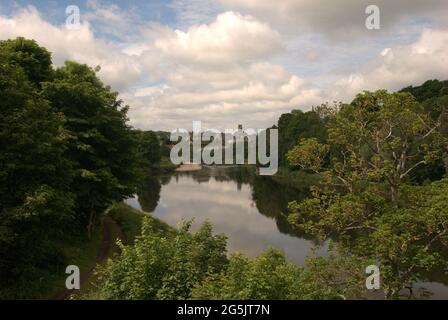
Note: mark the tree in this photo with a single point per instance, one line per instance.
(428, 90)
(365, 201)
(163, 266)
(148, 150)
(309, 154)
(35, 199)
(101, 148)
(379, 137)
(297, 125)
(34, 60)
(433, 94)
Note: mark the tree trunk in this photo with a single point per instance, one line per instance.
(394, 194)
(90, 225)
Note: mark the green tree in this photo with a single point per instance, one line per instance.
(35, 199)
(379, 137)
(161, 266)
(297, 125)
(433, 94)
(101, 148)
(34, 60)
(309, 154)
(148, 150)
(365, 201)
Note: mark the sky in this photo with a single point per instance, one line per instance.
(230, 62)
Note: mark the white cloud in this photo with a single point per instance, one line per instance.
(223, 73)
(342, 19)
(254, 95)
(118, 69)
(397, 67)
(231, 38)
(221, 78)
(213, 72)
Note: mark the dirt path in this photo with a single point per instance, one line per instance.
(111, 231)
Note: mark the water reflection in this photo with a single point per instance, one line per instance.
(249, 209)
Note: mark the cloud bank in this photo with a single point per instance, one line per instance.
(230, 69)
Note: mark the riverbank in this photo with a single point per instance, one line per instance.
(189, 167)
(110, 232)
(130, 221)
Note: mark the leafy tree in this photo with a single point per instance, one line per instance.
(152, 147)
(309, 154)
(148, 150)
(428, 90)
(296, 125)
(364, 201)
(379, 137)
(271, 277)
(433, 94)
(34, 60)
(101, 147)
(35, 200)
(161, 266)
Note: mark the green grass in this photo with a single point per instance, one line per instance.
(130, 221)
(80, 252)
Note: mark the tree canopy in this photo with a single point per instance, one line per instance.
(67, 153)
(366, 199)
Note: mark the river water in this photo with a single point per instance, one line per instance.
(249, 209)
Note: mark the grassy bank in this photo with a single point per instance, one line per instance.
(130, 221)
(80, 252)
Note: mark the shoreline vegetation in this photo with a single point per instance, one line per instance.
(213, 273)
(375, 169)
(189, 167)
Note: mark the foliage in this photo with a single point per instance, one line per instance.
(130, 221)
(35, 200)
(433, 94)
(182, 265)
(365, 201)
(101, 147)
(67, 153)
(35, 61)
(379, 137)
(298, 125)
(163, 267)
(428, 90)
(308, 154)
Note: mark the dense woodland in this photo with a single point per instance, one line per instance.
(67, 153)
(378, 191)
